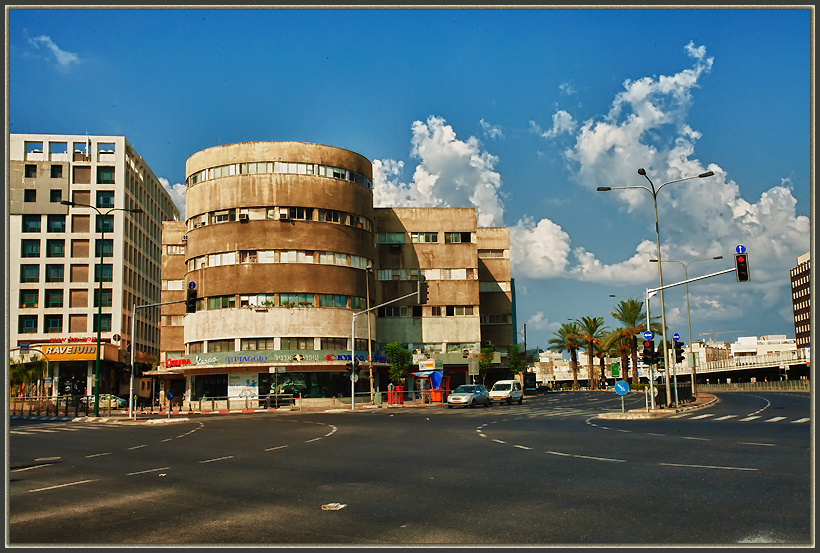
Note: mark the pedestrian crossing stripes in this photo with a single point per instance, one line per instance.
(753, 417)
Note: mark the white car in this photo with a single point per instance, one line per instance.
(507, 391)
(468, 395)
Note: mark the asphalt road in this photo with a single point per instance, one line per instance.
(546, 472)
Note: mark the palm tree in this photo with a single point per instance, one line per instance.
(631, 314)
(566, 339)
(591, 330)
(618, 342)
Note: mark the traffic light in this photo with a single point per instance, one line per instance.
(190, 301)
(649, 352)
(422, 293)
(678, 352)
(742, 267)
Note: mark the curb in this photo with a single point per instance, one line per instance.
(656, 414)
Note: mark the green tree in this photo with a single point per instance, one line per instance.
(591, 330)
(516, 364)
(631, 314)
(485, 361)
(399, 358)
(567, 340)
(619, 342)
(22, 375)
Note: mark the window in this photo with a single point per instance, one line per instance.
(423, 237)
(459, 310)
(495, 318)
(29, 195)
(107, 272)
(296, 256)
(55, 248)
(54, 298)
(334, 343)
(393, 311)
(173, 285)
(220, 345)
(221, 302)
(54, 273)
(29, 273)
(490, 253)
(256, 344)
(172, 249)
(79, 273)
(79, 248)
(296, 300)
(82, 175)
(305, 213)
(107, 297)
(29, 298)
(27, 324)
(331, 300)
(106, 322)
(332, 216)
(78, 298)
(260, 300)
(31, 171)
(56, 171)
(30, 248)
(56, 223)
(390, 238)
(297, 343)
(31, 223)
(219, 259)
(457, 238)
(105, 175)
(195, 347)
(56, 196)
(105, 223)
(247, 256)
(104, 248)
(105, 198)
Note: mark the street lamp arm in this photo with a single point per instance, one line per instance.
(701, 176)
(608, 188)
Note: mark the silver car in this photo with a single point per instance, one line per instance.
(469, 395)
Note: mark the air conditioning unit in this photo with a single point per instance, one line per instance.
(184, 237)
(283, 215)
(198, 224)
(243, 217)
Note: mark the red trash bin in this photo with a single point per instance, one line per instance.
(400, 395)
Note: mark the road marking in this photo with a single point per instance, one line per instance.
(522, 447)
(313, 440)
(775, 419)
(620, 430)
(483, 435)
(149, 470)
(600, 459)
(704, 416)
(47, 459)
(277, 447)
(217, 459)
(653, 434)
(801, 420)
(753, 417)
(753, 443)
(679, 416)
(691, 438)
(704, 466)
(499, 441)
(29, 468)
(42, 430)
(19, 432)
(724, 417)
(137, 446)
(60, 486)
(559, 453)
(96, 455)
(167, 439)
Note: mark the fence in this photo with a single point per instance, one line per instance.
(66, 406)
(773, 386)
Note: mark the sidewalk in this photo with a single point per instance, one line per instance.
(700, 402)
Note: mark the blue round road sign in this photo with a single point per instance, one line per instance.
(192, 285)
(170, 394)
(740, 248)
(648, 334)
(676, 336)
(621, 387)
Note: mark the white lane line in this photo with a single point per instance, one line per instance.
(149, 470)
(167, 439)
(313, 440)
(43, 430)
(522, 447)
(775, 419)
(97, 455)
(600, 459)
(801, 420)
(47, 459)
(19, 432)
(277, 447)
(704, 466)
(217, 459)
(137, 446)
(679, 416)
(499, 441)
(621, 430)
(691, 438)
(703, 416)
(724, 417)
(29, 468)
(483, 435)
(559, 453)
(653, 434)
(60, 486)
(753, 417)
(754, 443)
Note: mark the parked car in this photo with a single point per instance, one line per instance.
(507, 391)
(107, 400)
(469, 395)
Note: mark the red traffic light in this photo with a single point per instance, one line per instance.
(740, 259)
(647, 344)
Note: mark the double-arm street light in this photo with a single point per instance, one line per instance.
(688, 319)
(654, 191)
(100, 292)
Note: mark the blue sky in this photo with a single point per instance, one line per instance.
(520, 113)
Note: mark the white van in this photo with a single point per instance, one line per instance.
(507, 391)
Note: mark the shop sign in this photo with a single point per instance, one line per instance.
(73, 339)
(83, 352)
(242, 385)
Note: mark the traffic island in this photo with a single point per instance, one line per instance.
(700, 402)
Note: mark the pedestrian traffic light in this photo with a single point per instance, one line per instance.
(190, 301)
(649, 352)
(678, 352)
(742, 267)
(422, 292)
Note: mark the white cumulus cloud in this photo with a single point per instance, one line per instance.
(177, 192)
(61, 56)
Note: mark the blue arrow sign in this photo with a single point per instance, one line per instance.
(192, 285)
(740, 248)
(621, 388)
(648, 334)
(676, 336)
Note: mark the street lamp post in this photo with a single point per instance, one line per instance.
(688, 319)
(100, 291)
(654, 191)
